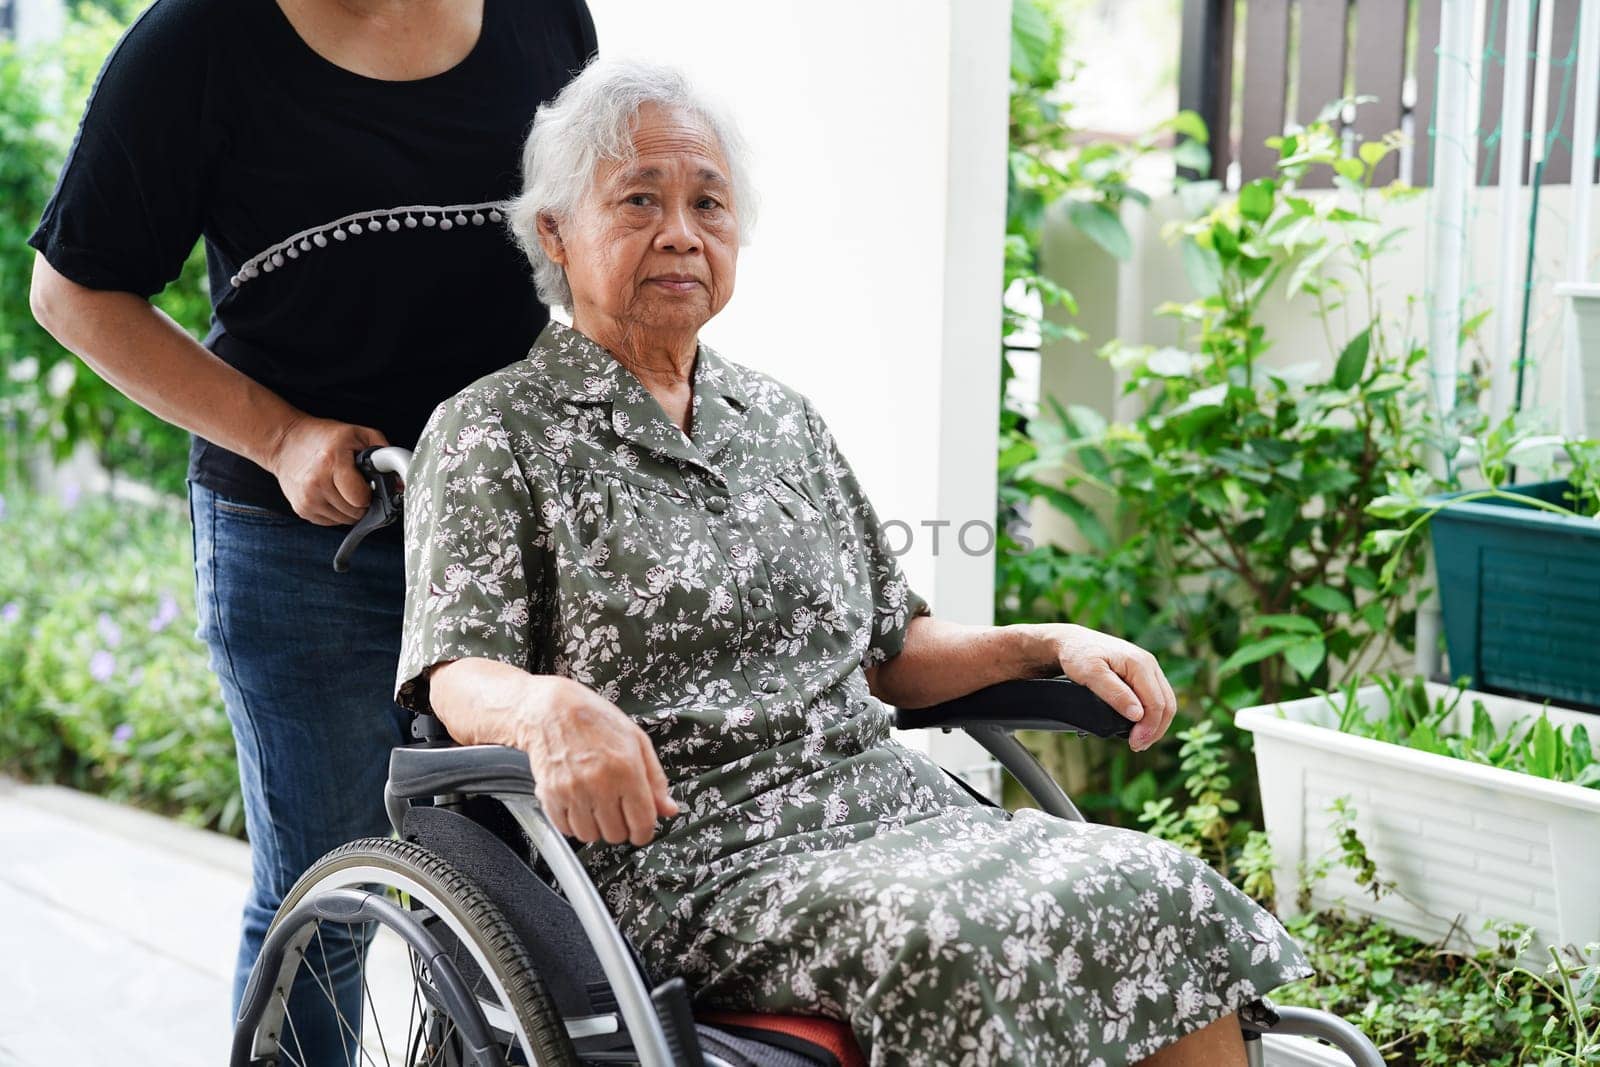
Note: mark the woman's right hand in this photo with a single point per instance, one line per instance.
(595, 771)
(315, 464)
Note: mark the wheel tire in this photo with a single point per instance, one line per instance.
(512, 968)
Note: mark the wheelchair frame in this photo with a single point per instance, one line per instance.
(657, 1023)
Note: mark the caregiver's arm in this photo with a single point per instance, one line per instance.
(595, 771)
(942, 660)
(151, 360)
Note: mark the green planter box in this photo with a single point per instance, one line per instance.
(1520, 592)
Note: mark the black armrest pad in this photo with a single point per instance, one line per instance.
(1024, 704)
(421, 772)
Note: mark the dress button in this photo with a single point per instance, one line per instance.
(772, 685)
(758, 596)
(717, 505)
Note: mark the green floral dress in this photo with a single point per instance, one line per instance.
(726, 590)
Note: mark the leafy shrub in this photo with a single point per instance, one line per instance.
(106, 687)
(48, 398)
(1226, 525)
(1236, 543)
(1051, 166)
(1205, 824)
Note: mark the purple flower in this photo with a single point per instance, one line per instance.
(166, 613)
(102, 665)
(2, 507)
(70, 495)
(109, 631)
(121, 735)
(11, 612)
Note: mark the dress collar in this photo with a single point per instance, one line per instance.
(580, 370)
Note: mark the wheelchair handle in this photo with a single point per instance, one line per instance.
(385, 471)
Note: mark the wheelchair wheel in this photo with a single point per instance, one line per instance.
(434, 975)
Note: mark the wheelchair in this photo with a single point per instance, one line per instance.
(479, 925)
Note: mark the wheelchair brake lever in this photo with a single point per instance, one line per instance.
(384, 509)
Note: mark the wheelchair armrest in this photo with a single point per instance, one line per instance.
(1023, 704)
(426, 772)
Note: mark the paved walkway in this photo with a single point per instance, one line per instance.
(117, 933)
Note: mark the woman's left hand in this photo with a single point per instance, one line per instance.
(1120, 673)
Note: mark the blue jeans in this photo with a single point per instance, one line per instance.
(307, 661)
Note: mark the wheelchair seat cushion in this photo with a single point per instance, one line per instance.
(827, 1042)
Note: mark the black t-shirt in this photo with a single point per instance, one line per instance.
(359, 260)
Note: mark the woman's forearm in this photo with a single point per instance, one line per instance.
(156, 364)
(486, 702)
(942, 660)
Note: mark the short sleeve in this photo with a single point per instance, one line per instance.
(472, 582)
(129, 202)
(894, 602)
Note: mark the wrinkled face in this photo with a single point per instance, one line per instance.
(654, 244)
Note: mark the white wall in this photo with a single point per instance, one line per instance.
(39, 20)
(872, 284)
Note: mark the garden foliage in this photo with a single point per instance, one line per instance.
(106, 687)
(49, 399)
(1532, 745)
(1420, 1002)
(1227, 524)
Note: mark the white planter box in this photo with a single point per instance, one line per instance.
(1465, 842)
(1586, 314)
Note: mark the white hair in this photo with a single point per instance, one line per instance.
(591, 121)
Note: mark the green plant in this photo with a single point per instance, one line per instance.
(1571, 981)
(105, 686)
(1424, 1003)
(1235, 543)
(1052, 168)
(48, 398)
(1532, 745)
(1205, 823)
(1516, 441)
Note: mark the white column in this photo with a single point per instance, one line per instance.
(1580, 247)
(969, 357)
(1452, 177)
(1513, 223)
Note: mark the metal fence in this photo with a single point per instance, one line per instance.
(1251, 67)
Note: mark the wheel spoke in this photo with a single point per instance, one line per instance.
(327, 991)
(449, 1031)
(366, 990)
(288, 1017)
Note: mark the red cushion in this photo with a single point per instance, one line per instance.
(830, 1034)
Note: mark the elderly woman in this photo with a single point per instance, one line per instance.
(650, 568)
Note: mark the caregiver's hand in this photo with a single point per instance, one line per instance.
(1123, 675)
(594, 770)
(315, 464)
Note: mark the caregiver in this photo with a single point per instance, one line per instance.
(345, 161)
